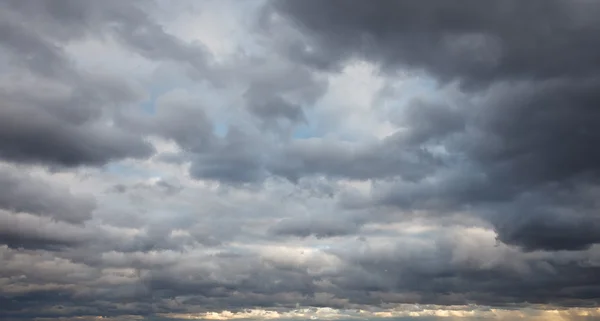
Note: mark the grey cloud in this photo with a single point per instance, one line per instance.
(315, 188)
(429, 123)
(470, 41)
(279, 88)
(235, 159)
(523, 149)
(241, 158)
(169, 188)
(58, 124)
(20, 192)
(166, 187)
(526, 124)
(22, 230)
(25, 231)
(386, 158)
(443, 268)
(44, 57)
(118, 188)
(274, 108)
(449, 268)
(549, 219)
(487, 196)
(29, 232)
(150, 40)
(318, 227)
(542, 132)
(183, 122)
(48, 140)
(70, 124)
(67, 20)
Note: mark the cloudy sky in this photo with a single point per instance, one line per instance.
(219, 159)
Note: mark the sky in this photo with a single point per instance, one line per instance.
(299, 159)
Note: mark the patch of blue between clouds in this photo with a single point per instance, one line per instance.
(307, 129)
(159, 88)
(304, 132)
(149, 106)
(220, 129)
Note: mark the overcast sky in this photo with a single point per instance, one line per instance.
(410, 160)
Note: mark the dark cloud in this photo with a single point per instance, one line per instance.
(470, 41)
(241, 157)
(275, 107)
(44, 57)
(452, 269)
(160, 185)
(282, 91)
(20, 192)
(386, 158)
(527, 126)
(235, 159)
(128, 22)
(442, 273)
(48, 140)
(61, 122)
(70, 120)
(485, 192)
(29, 232)
(523, 160)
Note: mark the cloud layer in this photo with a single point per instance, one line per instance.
(297, 159)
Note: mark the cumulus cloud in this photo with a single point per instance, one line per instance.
(22, 193)
(299, 159)
(523, 132)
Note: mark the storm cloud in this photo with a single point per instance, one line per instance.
(526, 126)
(294, 159)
